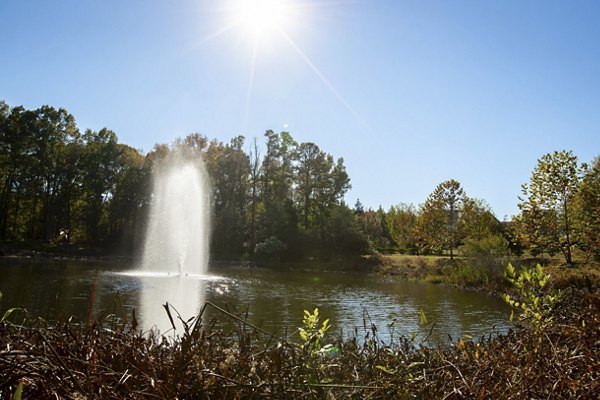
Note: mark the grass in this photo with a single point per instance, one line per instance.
(484, 275)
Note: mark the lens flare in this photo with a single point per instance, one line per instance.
(262, 17)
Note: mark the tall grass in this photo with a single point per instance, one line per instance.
(202, 361)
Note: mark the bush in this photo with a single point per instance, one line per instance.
(534, 304)
(490, 254)
(270, 250)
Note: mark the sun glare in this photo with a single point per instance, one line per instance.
(262, 17)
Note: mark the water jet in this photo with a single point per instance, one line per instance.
(178, 232)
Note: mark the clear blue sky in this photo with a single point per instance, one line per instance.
(409, 93)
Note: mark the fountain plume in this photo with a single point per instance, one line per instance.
(178, 234)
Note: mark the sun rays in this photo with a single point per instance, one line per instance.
(263, 17)
(266, 23)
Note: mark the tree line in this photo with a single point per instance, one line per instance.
(559, 214)
(57, 183)
(274, 200)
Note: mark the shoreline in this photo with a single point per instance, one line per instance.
(439, 270)
(459, 273)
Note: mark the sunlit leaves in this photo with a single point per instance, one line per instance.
(311, 333)
(533, 303)
(439, 223)
(547, 206)
(588, 203)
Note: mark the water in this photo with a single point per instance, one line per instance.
(178, 228)
(275, 300)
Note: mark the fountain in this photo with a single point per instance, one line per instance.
(174, 264)
(177, 238)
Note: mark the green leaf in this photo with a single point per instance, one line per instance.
(422, 317)
(18, 391)
(9, 312)
(510, 271)
(386, 369)
(415, 364)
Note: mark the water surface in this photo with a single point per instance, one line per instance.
(274, 300)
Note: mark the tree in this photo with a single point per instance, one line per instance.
(343, 236)
(101, 166)
(275, 212)
(229, 169)
(375, 227)
(439, 222)
(35, 177)
(547, 205)
(16, 148)
(478, 220)
(52, 178)
(277, 166)
(320, 184)
(56, 140)
(358, 207)
(401, 221)
(588, 201)
(255, 172)
(129, 200)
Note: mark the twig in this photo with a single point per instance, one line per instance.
(238, 318)
(60, 360)
(459, 373)
(429, 334)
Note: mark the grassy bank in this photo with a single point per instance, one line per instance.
(59, 251)
(484, 275)
(113, 361)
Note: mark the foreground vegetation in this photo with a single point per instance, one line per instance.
(110, 359)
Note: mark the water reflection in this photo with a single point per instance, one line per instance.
(185, 296)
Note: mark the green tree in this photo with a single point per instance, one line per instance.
(129, 200)
(254, 182)
(56, 140)
(439, 222)
(16, 145)
(101, 165)
(343, 236)
(278, 165)
(588, 201)
(375, 226)
(401, 221)
(275, 214)
(478, 220)
(34, 176)
(320, 184)
(229, 169)
(547, 205)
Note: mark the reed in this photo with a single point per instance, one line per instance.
(202, 361)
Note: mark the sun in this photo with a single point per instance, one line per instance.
(260, 18)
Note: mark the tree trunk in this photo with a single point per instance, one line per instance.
(567, 250)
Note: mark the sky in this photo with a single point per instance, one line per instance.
(409, 93)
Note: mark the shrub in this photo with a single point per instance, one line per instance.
(270, 250)
(533, 302)
(490, 254)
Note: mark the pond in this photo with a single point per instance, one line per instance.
(275, 300)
